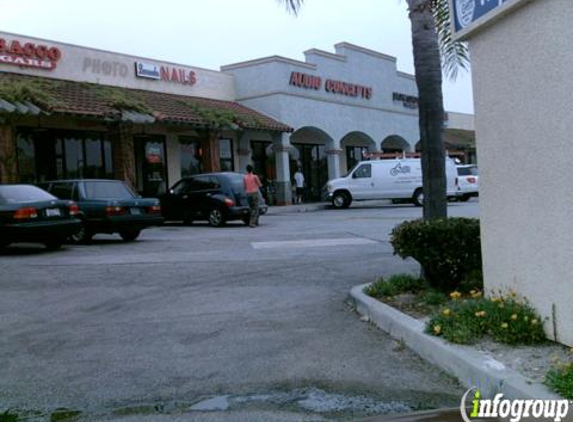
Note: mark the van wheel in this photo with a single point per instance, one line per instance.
(341, 200)
(418, 198)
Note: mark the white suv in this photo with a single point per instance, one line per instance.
(468, 182)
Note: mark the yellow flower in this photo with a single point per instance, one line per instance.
(437, 329)
(512, 293)
(496, 299)
(504, 325)
(526, 318)
(446, 312)
(455, 295)
(475, 294)
(534, 322)
(514, 317)
(501, 306)
(480, 314)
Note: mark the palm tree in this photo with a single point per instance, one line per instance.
(433, 47)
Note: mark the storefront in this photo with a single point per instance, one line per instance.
(341, 106)
(76, 112)
(73, 112)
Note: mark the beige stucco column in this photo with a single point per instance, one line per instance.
(282, 146)
(333, 159)
(8, 157)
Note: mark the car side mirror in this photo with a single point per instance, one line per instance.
(354, 175)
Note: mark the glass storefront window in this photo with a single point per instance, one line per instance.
(151, 165)
(354, 155)
(226, 155)
(53, 154)
(190, 156)
(26, 158)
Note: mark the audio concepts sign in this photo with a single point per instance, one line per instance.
(467, 13)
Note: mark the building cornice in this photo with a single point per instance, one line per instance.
(363, 50)
(267, 60)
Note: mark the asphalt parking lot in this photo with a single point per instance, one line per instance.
(200, 323)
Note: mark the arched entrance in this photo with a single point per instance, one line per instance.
(395, 143)
(354, 145)
(309, 154)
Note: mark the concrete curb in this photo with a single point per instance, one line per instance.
(288, 209)
(471, 367)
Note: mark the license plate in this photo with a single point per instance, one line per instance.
(53, 212)
(135, 211)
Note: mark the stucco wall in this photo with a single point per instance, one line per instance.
(263, 84)
(523, 90)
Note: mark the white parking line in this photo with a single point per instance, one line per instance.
(313, 243)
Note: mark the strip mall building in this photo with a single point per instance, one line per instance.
(75, 112)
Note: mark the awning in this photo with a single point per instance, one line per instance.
(22, 94)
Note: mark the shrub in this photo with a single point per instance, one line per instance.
(448, 249)
(506, 319)
(560, 379)
(396, 284)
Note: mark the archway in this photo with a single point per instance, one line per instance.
(395, 143)
(354, 145)
(309, 154)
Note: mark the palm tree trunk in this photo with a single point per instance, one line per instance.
(428, 69)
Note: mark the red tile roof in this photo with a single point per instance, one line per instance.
(106, 102)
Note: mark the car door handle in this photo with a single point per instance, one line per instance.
(185, 196)
(207, 194)
(371, 184)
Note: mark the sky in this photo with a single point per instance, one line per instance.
(211, 33)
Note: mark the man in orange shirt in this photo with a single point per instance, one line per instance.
(252, 185)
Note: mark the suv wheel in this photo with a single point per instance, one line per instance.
(216, 217)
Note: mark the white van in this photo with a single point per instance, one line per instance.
(396, 179)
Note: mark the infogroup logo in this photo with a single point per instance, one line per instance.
(515, 410)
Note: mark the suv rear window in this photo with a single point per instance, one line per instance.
(16, 194)
(107, 190)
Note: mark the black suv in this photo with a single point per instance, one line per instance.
(107, 206)
(215, 197)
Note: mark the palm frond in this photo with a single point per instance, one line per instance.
(292, 6)
(454, 54)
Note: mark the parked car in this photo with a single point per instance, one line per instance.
(395, 179)
(215, 197)
(30, 214)
(107, 206)
(468, 182)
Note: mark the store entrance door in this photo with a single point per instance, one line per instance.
(313, 163)
(150, 164)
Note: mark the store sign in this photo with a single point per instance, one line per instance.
(466, 12)
(29, 54)
(147, 70)
(408, 101)
(304, 80)
(154, 155)
(165, 73)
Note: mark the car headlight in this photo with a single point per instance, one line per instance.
(329, 187)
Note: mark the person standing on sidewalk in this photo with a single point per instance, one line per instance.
(299, 182)
(252, 184)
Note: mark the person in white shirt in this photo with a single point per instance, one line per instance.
(299, 183)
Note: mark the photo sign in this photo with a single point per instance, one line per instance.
(468, 14)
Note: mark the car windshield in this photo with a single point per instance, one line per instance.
(16, 194)
(467, 171)
(108, 190)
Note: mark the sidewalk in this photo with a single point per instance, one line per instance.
(286, 209)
